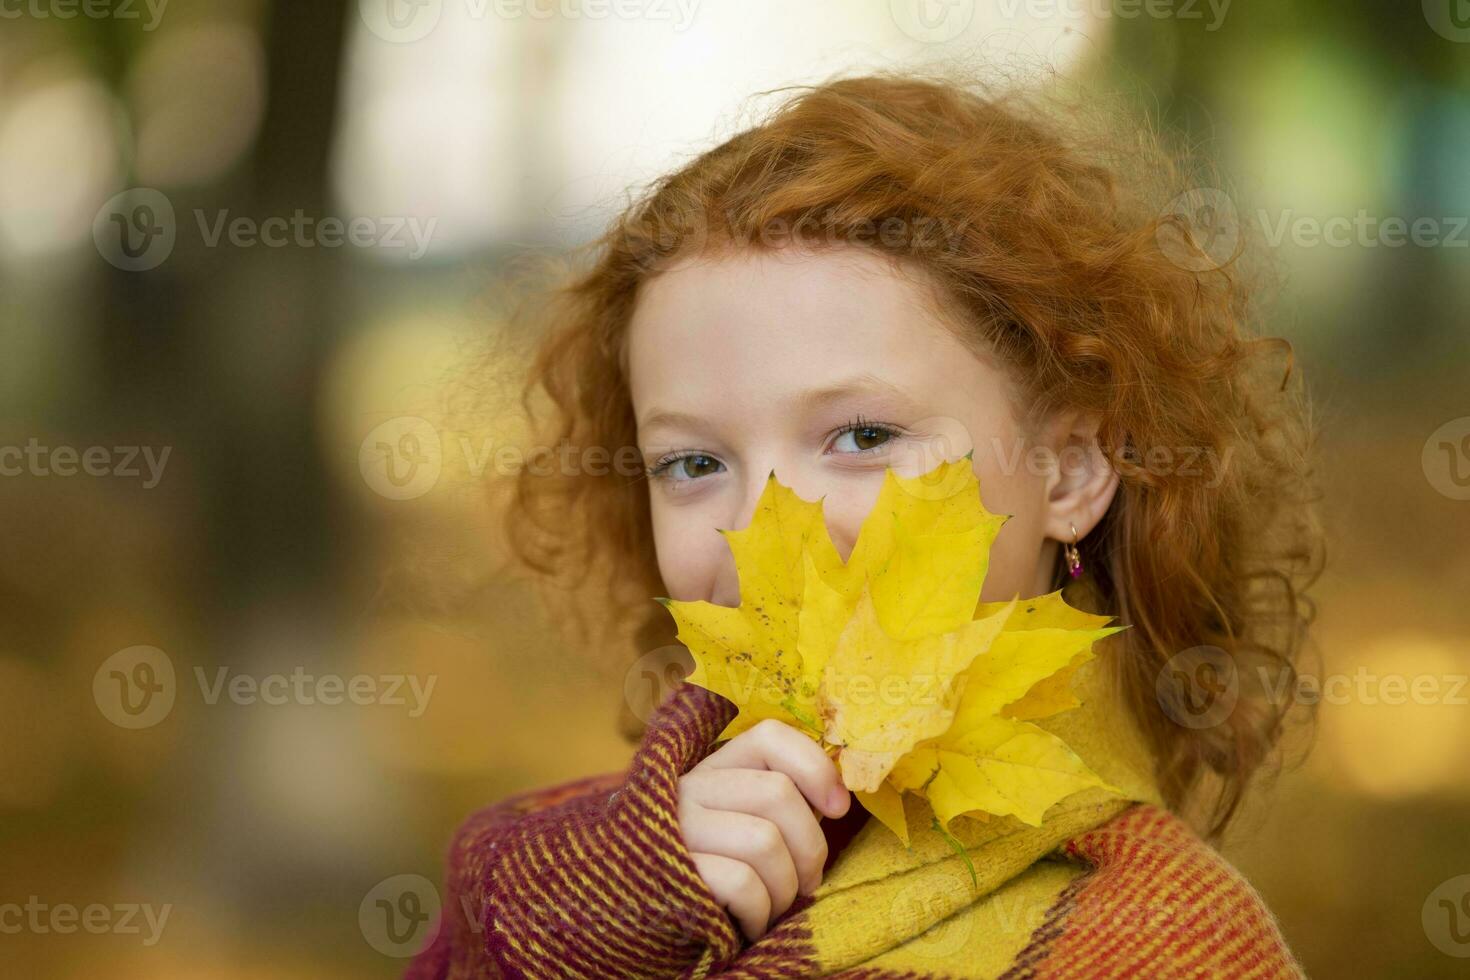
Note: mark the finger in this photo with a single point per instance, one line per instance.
(777, 746)
(755, 841)
(772, 795)
(738, 889)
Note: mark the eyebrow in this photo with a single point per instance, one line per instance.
(806, 401)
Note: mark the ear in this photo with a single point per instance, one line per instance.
(1082, 482)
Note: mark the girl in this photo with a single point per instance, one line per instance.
(888, 271)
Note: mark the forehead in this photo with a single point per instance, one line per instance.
(783, 319)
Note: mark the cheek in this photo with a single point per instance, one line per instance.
(1017, 548)
(689, 553)
(1013, 560)
(1007, 488)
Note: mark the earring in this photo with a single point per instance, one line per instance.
(1074, 557)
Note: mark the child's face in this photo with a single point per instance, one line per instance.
(769, 358)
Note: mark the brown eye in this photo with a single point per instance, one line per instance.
(865, 437)
(684, 469)
(697, 465)
(869, 436)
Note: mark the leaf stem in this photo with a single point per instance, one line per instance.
(958, 849)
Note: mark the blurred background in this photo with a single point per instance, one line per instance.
(248, 254)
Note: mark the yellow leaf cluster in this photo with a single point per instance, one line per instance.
(890, 661)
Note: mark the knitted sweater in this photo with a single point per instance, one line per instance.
(591, 878)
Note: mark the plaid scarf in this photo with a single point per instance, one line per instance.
(591, 879)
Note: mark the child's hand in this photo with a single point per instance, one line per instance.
(748, 814)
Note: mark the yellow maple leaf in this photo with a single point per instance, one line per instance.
(890, 661)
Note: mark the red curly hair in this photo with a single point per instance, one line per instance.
(1061, 260)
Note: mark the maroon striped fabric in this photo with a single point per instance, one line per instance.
(591, 879)
(592, 875)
